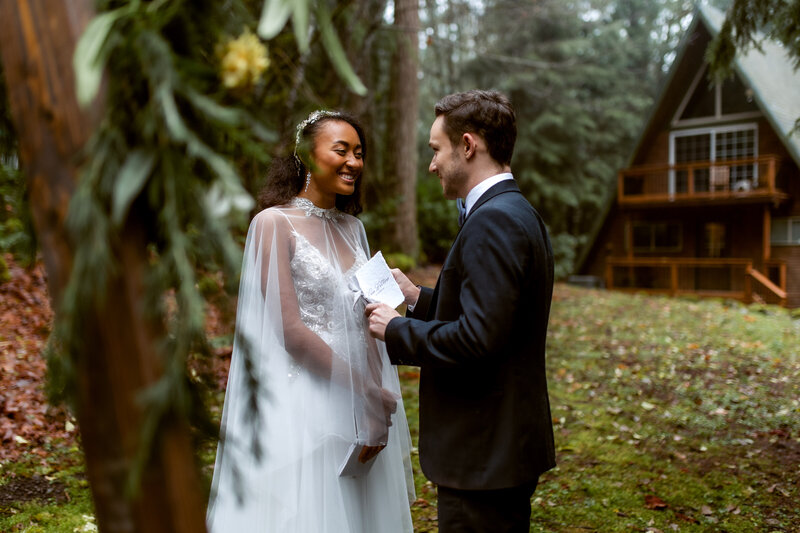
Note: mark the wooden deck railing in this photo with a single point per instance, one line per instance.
(737, 179)
(733, 278)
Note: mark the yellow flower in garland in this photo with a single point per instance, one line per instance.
(244, 59)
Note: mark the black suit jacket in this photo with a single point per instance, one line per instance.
(479, 340)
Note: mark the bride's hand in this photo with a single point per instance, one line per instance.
(368, 452)
(378, 416)
(389, 400)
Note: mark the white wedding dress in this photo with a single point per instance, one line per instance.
(306, 381)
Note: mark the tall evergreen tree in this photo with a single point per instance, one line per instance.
(581, 76)
(400, 141)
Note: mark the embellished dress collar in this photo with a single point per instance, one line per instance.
(310, 209)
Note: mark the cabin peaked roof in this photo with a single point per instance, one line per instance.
(771, 75)
(769, 72)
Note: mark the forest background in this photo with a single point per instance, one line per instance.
(582, 77)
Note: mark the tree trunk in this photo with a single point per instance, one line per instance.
(401, 135)
(37, 40)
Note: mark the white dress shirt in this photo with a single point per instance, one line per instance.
(478, 190)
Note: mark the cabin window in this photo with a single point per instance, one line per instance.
(737, 144)
(690, 148)
(736, 98)
(715, 144)
(704, 101)
(657, 237)
(785, 231)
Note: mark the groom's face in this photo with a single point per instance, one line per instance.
(447, 162)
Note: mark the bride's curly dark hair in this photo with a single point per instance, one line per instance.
(286, 175)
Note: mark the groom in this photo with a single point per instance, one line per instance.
(479, 336)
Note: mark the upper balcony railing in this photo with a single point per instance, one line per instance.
(731, 180)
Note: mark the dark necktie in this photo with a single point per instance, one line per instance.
(462, 211)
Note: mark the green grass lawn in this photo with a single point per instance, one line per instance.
(670, 415)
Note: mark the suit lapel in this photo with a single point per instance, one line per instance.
(496, 189)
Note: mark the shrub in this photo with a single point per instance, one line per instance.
(4, 273)
(438, 221)
(402, 261)
(16, 226)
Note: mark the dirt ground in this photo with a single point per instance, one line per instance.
(24, 489)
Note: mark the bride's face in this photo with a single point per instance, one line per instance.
(337, 159)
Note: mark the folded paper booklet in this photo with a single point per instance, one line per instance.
(377, 283)
(351, 466)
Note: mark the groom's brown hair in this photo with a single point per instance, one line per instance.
(486, 113)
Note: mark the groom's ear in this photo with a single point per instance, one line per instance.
(469, 144)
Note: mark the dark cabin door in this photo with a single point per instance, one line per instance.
(712, 243)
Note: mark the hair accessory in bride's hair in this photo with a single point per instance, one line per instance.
(312, 118)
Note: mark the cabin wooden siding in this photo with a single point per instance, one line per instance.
(610, 242)
(656, 153)
(791, 256)
(789, 179)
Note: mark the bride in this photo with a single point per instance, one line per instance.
(305, 381)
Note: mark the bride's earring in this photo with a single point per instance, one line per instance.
(308, 181)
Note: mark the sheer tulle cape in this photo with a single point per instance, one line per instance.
(306, 381)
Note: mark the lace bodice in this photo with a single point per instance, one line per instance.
(319, 287)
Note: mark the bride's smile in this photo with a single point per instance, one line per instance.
(338, 162)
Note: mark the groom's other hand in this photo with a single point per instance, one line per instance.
(379, 317)
(409, 290)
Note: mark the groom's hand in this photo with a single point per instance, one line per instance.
(409, 290)
(379, 317)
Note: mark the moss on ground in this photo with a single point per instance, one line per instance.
(670, 415)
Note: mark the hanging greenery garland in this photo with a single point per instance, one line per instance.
(165, 158)
(181, 119)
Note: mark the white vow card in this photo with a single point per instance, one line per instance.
(377, 283)
(351, 466)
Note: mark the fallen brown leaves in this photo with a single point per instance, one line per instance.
(27, 422)
(654, 502)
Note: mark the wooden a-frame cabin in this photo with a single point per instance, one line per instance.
(710, 203)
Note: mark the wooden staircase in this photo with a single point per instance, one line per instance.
(772, 291)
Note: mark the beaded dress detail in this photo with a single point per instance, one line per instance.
(320, 285)
(310, 209)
